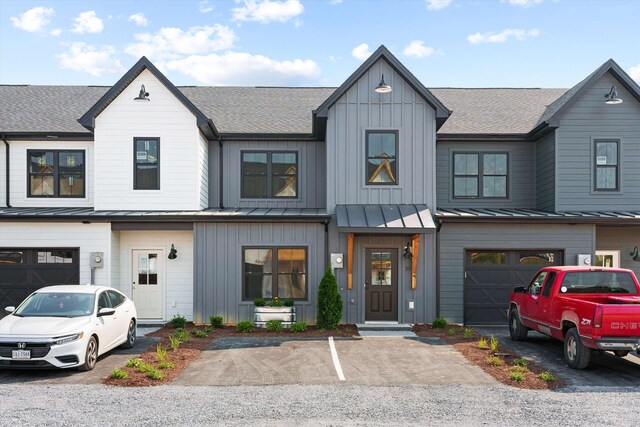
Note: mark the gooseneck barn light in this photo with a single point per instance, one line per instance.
(143, 96)
(383, 87)
(612, 97)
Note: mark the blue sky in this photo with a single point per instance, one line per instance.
(445, 43)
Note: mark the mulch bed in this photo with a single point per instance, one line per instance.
(474, 354)
(190, 351)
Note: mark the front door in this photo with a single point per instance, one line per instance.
(147, 283)
(381, 284)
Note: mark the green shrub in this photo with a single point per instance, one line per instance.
(452, 331)
(275, 302)
(145, 368)
(298, 327)
(178, 321)
(161, 353)
(175, 342)
(182, 335)
(516, 376)
(216, 321)
(519, 361)
(134, 363)
(119, 374)
(274, 325)
(482, 343)
(199, 333)
(244, 326)
(439, 323)
(154, 374)
(467, 332)
(259, 302)
(288, 303)
(494, 344)
(518, 368)
(207, 329)
(547, 376)
(495, 361)
(165, 365)
(329, 302)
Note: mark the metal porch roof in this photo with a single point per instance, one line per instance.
(385, 219)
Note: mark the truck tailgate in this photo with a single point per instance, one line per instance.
(621, 320)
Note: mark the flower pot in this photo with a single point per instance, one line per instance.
(261, 315)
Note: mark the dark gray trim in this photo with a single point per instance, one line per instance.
(7, 169)
(268, 137)
(135, 162)
(366, 159)
(203, 122)
(269, 175)
(275, 270)
(161, 226)
(221, 175)
(50, 136)
(483, 137)
(442, 112)
(596, 141)
(480, 176)
(56, 173)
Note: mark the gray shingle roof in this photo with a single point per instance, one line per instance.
(262, 110)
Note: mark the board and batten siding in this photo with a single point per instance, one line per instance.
(546, 173)
(520, 181)
(203, 169)
(588, 119)
(311, 174)
(622, 239)
(164, 117)
(178, 273)
(95, 237)
(218, 270)
(456, 238)
(361, 109)
(19, 179)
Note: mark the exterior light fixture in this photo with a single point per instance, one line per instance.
(383, 87)
(612, 97)
(407, 251)
(143, 96)
(173, 253)
(635, 255)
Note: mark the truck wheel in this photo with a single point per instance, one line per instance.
(621, 353)
(577, 355)
(517, 330)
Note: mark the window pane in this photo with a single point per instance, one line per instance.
(55, 257)
(283, 163)
(41, 162)
(70, 162)
(254, 186)
(147, 151)
(466, 164)
(374, 144)
(465, 187)
(147, 177)
(7, 257)
(495, 164)
(494, 186)
(381, 170)
(488, 257)
(255, 163)
(606, 153)
(537, 258)
(292, 273)
(71, 185)
(291, 260)
(606, 178)
(284, 186)
(258, 261)
(258, 266)
(388, 145)
(41, 185)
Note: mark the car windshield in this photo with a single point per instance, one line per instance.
(598, 282)
(56, 304)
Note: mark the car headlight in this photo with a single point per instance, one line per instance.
(67, 338)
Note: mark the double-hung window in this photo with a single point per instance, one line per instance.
(56, 173)
(480, 175)
(146, 163)
(607, 160)
(382, 157)
(269, 174)
(270, 272)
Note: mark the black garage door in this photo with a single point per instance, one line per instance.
(22, 271)
(490, 276)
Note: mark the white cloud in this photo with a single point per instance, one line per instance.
(55, 32)
(522, 3)
(503, 36)
(33, 19)
(139, 19)
(361, 51)
(88, 22)
(204, 6)
(418, 49)
(239, 68)
(634, 72)
(87, 58)
(171, 43)
(335, 1)
(266, 11)
(438, 4)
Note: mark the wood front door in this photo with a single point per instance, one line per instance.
(381, 284)
(147, 283)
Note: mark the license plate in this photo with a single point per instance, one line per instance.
(21, 354)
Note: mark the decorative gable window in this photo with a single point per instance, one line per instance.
(56, 173)
(146, 163)
(382, 157)
(480, 175)
(607, 155)
(269, 174)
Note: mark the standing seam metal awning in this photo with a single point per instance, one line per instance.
(402, 219)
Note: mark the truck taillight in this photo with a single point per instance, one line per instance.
(597, 317)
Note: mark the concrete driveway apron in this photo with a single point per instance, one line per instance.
(370, 361)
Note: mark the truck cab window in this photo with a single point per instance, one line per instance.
(536, 284)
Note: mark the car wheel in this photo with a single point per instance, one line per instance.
(575, 353)
(131, 335)
(621, 353)
(517, 330)
(90, 355)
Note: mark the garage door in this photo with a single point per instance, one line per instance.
(22, 271)
(490, 276)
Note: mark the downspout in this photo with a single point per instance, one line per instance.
(438, 227)
(221, 175)
(326, 243)
(6, 144)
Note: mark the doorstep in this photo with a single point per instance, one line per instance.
(385, 329)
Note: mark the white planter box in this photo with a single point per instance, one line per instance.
(261, 315)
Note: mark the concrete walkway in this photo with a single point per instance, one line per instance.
(369, 361)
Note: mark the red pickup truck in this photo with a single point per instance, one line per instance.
(589, 308)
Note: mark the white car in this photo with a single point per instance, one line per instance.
(66, 326)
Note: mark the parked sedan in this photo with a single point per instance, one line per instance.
(67, 326)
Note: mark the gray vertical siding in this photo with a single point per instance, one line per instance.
(214, 174)
(622, 239)
(311, 174)
(424, 296)
(218, 265)
(521, 179)
(361, 109)
(546, 172)
(455, 238)
(591, 118)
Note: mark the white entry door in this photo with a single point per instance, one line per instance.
(147, 283)
(608, 259)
